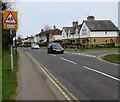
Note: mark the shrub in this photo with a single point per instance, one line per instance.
(42, 44)
(66, 43)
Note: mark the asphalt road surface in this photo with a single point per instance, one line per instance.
(82, 73)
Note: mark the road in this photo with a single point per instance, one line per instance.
(82, 73)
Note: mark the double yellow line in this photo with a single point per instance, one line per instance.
(54, 80)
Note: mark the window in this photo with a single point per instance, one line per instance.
(63, 34)
(84, 31)
(111, 40)
(105, 32)
(83, 41)
(94, 40)
(77, 31)
(106, 41)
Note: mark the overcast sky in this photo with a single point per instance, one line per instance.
(33, 16)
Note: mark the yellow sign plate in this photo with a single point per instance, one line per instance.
(10, 20)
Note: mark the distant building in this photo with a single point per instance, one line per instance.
(91, 33)
(53, 36)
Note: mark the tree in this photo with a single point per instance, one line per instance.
(47, 29)
(19, 38)
(6, 33)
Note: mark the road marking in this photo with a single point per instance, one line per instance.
(81, 54)
(102, 73)
(53, 55)
(68, 60)
(100, 59)
(60, 84)
(52, 78)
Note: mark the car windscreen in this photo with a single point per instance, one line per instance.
(56, 46)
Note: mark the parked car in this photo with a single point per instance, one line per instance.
(26, 45)
(55, 48)
(35, 46)
(21, 45)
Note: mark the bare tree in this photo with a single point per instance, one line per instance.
(19, 38)
(47, 29)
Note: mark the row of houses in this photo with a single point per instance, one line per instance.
(90, 33)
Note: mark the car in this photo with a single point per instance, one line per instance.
(26, 45)
(55, 48)
(34, 46)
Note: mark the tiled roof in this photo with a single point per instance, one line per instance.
(72, 29)
(100, 25)
(52, 31)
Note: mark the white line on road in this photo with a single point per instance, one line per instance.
(68, 60)
(82, 54)
(53, 55)
(102, 73)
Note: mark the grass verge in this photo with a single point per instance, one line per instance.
(92, 49)
(9, 79)
(43, 47)
(115, 58)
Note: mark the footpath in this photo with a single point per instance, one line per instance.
(31, 84)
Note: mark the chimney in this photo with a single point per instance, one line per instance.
(90, 18)
(41, 30)
(74, 23)
(54, 27)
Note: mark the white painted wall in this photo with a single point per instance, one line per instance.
(36, 39)
(63, 34)
(82, 34)
(103, 34)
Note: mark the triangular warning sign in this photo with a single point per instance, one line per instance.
(10, 19)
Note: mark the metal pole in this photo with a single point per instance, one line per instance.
(15, 45)
(11, 56)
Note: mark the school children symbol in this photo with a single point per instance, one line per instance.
(10, 20)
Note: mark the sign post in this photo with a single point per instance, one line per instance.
(10, 22)
(11, 54)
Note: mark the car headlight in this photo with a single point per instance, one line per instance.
(54, 49)
(62, 49)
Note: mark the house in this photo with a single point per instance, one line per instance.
(36, 38)
(71, 34)
(98, 32)
(53, 35)
(28, 39)
(91, 33)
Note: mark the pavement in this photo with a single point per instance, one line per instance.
(31, 83)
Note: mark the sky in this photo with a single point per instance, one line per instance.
(34, 16)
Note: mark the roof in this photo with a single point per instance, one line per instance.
(72, 29)
(56, 32)
(52, 31)
(100, 25)
(79, 27)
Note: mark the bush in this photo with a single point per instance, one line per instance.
(66, 43)
(27, 42)
(42, 44)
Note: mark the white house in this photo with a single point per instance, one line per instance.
(54, 35)
(91, 32)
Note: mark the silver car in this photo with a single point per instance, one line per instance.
(35, 46)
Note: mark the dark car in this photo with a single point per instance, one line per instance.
(55, 48)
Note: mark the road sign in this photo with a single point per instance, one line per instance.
(10, 20)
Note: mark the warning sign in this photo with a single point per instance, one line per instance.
(10, 20)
